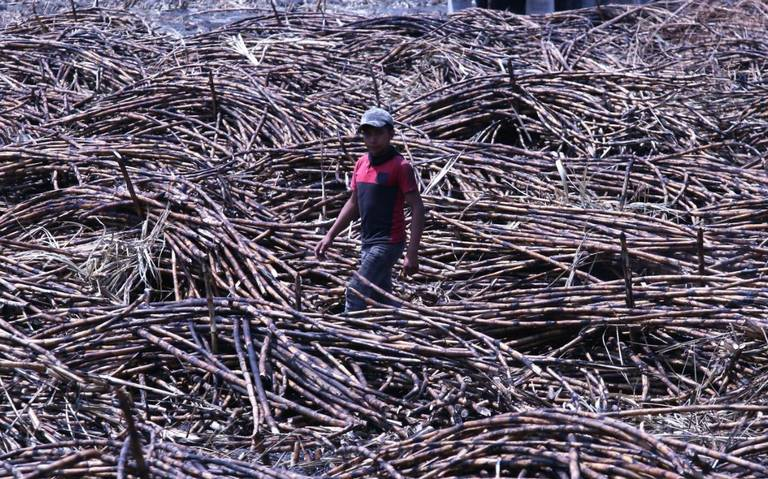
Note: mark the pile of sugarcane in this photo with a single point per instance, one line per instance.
(592, 299)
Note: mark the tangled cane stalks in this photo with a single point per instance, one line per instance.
(591, 301)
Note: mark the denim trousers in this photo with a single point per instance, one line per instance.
(376, 263)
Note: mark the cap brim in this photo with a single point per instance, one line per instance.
(375, 124)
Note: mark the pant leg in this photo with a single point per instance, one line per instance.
(376, 263)
(353, 302)
(383, 276)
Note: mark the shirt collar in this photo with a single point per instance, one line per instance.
(382, 157)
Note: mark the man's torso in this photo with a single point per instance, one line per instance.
(380, 191)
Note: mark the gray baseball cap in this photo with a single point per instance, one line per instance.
(376, 117)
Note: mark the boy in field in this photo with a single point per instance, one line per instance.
(382, 182)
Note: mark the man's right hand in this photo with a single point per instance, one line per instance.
(322, 247)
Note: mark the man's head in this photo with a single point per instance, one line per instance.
(378, 129)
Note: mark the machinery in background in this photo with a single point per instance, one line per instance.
(533, 6)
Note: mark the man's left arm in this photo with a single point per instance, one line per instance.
(411, 264)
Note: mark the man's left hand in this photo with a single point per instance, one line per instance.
(411, 265)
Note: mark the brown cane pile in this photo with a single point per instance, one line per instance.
(592, 300)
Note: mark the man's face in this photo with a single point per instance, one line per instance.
(377, 140)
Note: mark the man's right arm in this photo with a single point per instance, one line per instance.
(349, 213)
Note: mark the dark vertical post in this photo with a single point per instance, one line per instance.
(74, 10)
(511, 73)
(214, 98)
(623, 197)
(625, 266)
(344, 148)
(129, 184)
(375, 85)
(274, 10)
(700, 251)
(297, 291)
(211, 313)
(600, 10)
(514, 6)
(126, 406)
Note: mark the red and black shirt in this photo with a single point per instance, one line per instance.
(380, 186)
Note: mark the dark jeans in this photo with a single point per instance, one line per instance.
(376, 263)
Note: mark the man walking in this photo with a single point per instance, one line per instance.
(382, 182)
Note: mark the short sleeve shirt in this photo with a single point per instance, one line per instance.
(380, 191)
